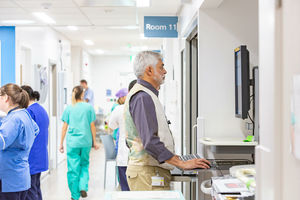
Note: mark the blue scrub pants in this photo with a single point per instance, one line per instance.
(123, 178)
(34, 193)
(78, 170)
(13, 195)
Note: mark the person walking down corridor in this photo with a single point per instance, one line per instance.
(38, 157)
(17, 134)
(80, 128)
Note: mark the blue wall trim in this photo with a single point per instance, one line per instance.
(8, 54)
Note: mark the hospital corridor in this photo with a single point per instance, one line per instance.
(54, 186)
(149, 100)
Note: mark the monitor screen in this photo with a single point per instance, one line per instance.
(242, 84)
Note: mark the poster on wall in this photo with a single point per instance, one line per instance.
(41, 82)
(295, 117)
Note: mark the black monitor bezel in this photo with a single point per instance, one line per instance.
(245, 83)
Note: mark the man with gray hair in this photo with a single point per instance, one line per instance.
(149, 138)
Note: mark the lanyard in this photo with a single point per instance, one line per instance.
(13, 109)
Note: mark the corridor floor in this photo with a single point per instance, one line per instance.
(54, 186)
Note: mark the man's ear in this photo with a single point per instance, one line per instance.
(149, 70)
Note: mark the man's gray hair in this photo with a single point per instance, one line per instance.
(143, 60)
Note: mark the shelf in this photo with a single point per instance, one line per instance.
(227, 145)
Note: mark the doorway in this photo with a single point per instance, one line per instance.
(189, 112)
(25, 69)
(52, 107)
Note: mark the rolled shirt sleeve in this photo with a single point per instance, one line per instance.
(142, 110)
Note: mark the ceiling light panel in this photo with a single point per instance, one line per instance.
(72, 28)
(17, 22)
(105, 3)
(44, 17)
(41, 4)
(88, 42)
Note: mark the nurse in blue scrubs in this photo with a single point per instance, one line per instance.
(17, 134)
(38, 157)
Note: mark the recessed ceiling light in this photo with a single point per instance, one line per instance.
(44, 18)
(88, 42)
(72, 28)
(142, 3)
(124, 27)
(99, 51)
(22, 22)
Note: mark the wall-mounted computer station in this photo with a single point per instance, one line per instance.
(246, 108)
(227, 122)
(229, 154)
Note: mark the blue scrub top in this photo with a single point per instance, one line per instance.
(89, 94)
(38, 157)
(17, 134)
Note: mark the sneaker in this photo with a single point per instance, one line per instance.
(83, 194)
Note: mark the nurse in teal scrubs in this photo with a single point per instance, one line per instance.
(17, 134)
(80, 129)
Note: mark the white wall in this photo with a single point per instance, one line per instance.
(109, 72)
(42, 46)
(76, 64)
(220, 31)
(290, 67)
(187, 15)
(277, 169)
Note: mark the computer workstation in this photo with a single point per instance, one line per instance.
(230, 145)
(220, 186)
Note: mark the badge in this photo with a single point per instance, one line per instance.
(158, 181)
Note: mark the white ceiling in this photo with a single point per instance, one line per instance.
(98, 20)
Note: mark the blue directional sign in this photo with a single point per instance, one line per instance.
(160, 26)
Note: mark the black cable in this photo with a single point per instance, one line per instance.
(250, 118)
(253, 158)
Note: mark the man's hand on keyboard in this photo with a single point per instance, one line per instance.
(196, 163)
(189, 164)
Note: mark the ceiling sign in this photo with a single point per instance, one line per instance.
(160, 26)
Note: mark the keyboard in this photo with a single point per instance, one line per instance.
(223, 164)
(189, 157)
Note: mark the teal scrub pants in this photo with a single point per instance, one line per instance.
(78, 170)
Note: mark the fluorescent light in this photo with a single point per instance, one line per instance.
(99, 51)
(88, 42)
(123, 27)
(142, 3)
(44, 18)
(18, 22)
(72, 28)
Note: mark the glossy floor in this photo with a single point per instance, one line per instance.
(54, 186)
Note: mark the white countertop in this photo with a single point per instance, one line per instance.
(225, 141)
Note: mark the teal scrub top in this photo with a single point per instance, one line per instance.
(79, 118)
